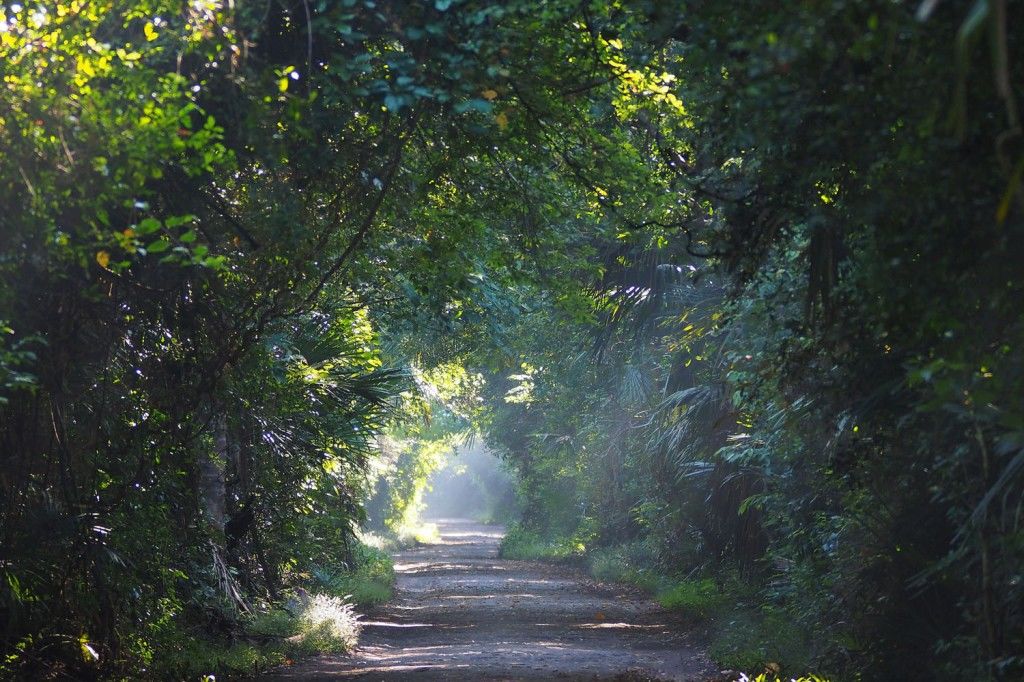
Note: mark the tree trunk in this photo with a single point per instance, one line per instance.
(212, 465)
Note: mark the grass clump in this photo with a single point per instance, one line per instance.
(418, 534)
(523, 544)
(320, 620)
(700, 598)
(327, 624)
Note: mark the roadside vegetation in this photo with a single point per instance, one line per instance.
(743, 631)
(323, 624)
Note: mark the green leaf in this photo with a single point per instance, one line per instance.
(148, 226)
(214, 262)
(175, 221)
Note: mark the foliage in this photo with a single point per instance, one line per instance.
(325, 624)
(734, 283)
(812, 380)
(368, 582)
(747, 638)
(698, 597)
(224, 214)
(410, 453)
(520, 543)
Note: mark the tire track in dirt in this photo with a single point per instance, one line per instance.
(461, 613)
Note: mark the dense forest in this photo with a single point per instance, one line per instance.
(735, 290)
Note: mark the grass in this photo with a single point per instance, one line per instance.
(630, 564)
(745, 634)
(322, 624)
(522, 544)
(365, 590)
(699, 598)
(418, 534)
(404, 536)
(327, 624)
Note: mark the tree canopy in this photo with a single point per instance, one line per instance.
(738, 285)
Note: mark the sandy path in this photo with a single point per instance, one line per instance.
(460, 613)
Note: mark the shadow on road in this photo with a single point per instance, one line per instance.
(461, 613)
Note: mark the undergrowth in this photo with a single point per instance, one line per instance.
(320, 624)
(746, 637)
(317, 620)
(745, 632)
(523, 544)
(369, 582)
(418, 534)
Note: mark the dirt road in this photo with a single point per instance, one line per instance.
(461, 613)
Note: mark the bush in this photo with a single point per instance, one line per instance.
(745, 634)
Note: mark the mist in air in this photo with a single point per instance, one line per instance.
(473, 484)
